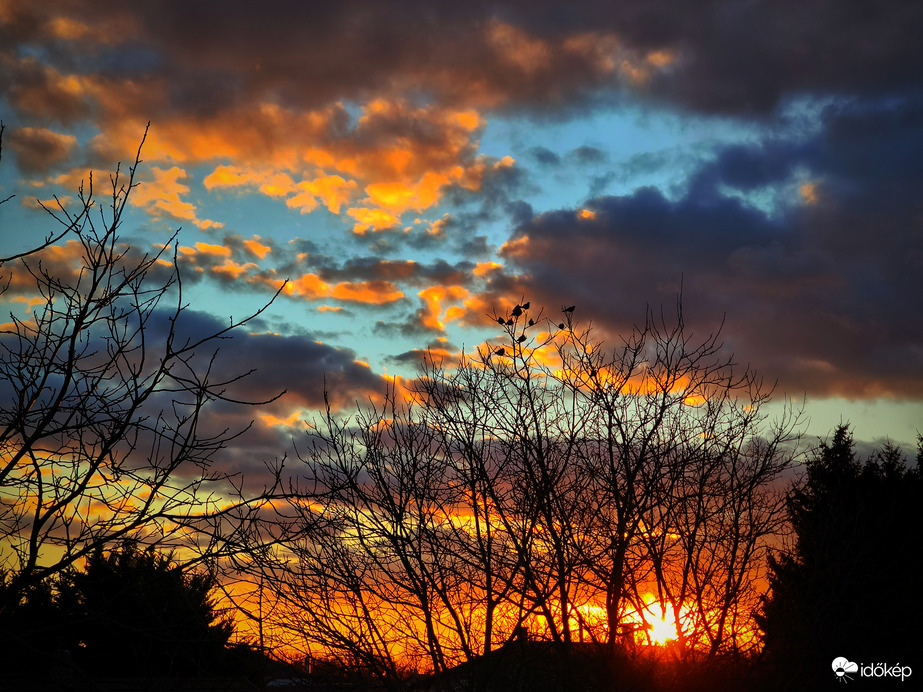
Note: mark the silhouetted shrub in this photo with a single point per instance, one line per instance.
(140, 614)
(850, 586)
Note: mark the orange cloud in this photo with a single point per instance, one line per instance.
(809, 193)
(484, 268)
(69, 29)
(293, 418)
(162, 197)
(226, 263)
(608, 55)
(233, 270)
(312, 287)
(29, 303)
(59, 261)
(528, 54)
(402, 156)
(108, 28)
(231, 176)
(52, 203)
(256, 136)
(332, 190)
(480, 308)
(372, 292)
(257, 248)
(661, 58)
(431, 314)
(469, 120)
(546, 354)
(44, 92)
(516, 247)
(371, 220)
(308, 286)
(438, 226)
(205, 249)
(270, 182)
(402, 387)
(420, 195)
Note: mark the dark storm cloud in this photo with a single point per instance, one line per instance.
(37, 150)
(599, 183)
(412, 357)
(294, 371)
(408, 271)
(821, 290)
(747, 167)
(409, 327)
(34, 90)
(297, 364)
(290, 372)
(417, 356)
(305, 368)
(748, 57)
(473, 246)
(367, 269)
(722, 56)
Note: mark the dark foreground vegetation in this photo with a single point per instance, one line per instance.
(131, 618)
(850, 586)
(542, 473)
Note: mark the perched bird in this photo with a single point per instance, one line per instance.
(561, 326)
(570, 309)
(531, 322)
(525, 306)
(517, 311)
(521, 339)
(500, 320)
(500, 352)
(509, 322)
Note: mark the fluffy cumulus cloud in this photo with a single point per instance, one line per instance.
(367, 128)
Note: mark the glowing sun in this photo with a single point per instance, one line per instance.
(661, 630)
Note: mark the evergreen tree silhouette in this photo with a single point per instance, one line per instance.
(141, 615)
(850, 587)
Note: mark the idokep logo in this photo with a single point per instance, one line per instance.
(845, 670)
(843, 667)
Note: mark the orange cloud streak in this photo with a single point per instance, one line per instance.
(312, 287)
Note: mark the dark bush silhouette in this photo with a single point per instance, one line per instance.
(850, 586)
(139, 614)
(35, 635)
(131, 613)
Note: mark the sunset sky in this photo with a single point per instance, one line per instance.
(411, 166)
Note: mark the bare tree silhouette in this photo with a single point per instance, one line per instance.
(103, 394)
(531, 483)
